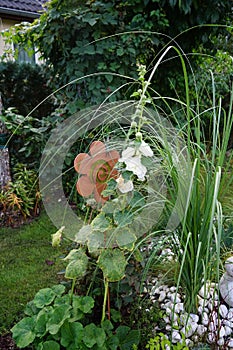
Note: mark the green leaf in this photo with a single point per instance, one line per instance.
(137, 201)
(49, 345)
(109, 78)
(41, 321)
(137, 255)
(101, 223)
(127, 175)
(59, 289)
(78, 265)
(125, 238)
(112, 262)
(127, 337)
(58, 317)
(95, 241)
(123, 218)
(83, 234)
(31, 309)
(111, 206)
(83, 303)
(77, 268)
(120, 51)
(44, 297)
(23, 332)
(71, 333)
(93, 335)
(107, 325)
(113, 342)
(61, 300)
(89, 49)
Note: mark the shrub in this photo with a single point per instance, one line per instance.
(24, 86)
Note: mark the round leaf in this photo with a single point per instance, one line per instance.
(23, 332)
(77, 268)
(112, 262)
(44, 297)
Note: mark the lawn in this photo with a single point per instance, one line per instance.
(28, 262)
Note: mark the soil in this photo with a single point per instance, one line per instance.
(14, 220)
(7, 343)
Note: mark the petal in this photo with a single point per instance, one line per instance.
(134, 164)
(97, 147)
(145, 149)
(86, 166)
(84, 186)
(124, 186)
(127, 153)
(78, 160)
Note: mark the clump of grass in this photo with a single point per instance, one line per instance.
(27, 263)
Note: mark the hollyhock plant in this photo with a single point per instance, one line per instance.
(95, 168)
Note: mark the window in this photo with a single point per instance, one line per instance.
(23, 56)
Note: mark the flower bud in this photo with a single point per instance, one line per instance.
(139, 136)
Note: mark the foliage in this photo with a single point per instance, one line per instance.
(161, 342)
(76, 49)
(20, 197)
(198, 238)
(57, 319)
(23, 86)
(27, 135)
(212, 80)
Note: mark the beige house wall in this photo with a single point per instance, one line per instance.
(5, 24)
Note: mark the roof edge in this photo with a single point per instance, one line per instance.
(20, 13)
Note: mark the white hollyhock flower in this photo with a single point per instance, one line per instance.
(124, 186)
(132, 158)
(145, 149)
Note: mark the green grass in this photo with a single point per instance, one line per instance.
(24, 268)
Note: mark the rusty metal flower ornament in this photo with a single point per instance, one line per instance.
(95, 168)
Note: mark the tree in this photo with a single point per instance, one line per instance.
(69, 36)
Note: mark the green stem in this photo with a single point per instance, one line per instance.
(105, 299)
(72, 290)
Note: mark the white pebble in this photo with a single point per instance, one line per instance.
(175, 298)
(205, 319)
(168, 327)
(189, 330)
(194, 318)
(162, 296)
(223, 311)
(176, 337)
(212, 327)
(222, 332)
(201, 329)
(230, 315)
(174, 317)
(228, 330)
(189, 343)
(179, 307)
(211, 338)
(221, 341)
